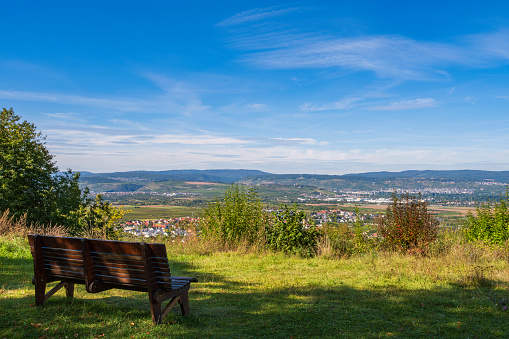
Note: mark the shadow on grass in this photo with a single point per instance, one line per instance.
(226, 309)
(15, 272)
(223, 308)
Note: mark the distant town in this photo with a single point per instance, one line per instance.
(183, 228)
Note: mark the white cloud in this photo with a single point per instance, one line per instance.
(178, 99)
(387, 56)
(338, 105)
(495, 44)
(406, 105)
(297, 45)
(259, 107)
(63, 116)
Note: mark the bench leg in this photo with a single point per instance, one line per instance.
(40, 291)
(184, 303)
(155, 308)
(69, 290)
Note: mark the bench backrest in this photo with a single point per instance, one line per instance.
(138, 266)
(61, 256)
(128, 263)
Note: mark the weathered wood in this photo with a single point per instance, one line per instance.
(40, 277)
(173, 301)
(69, 289)
(101, 265)
(155, 307)
(184, 303)
(54, 290)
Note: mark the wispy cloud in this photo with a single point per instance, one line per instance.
(338, 105)
(256, 15)
(387, 56)
(495, 44)
(281, 46)
(123, 104)
(178, 100)
(64, 116)
(406, 105)
(258, 107)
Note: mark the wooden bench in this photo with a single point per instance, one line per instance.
(101, 265)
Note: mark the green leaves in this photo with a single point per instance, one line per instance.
(288, 232)
(31, 185)
(27, 171)
(235, 219)
(99, 218)
(491, 223)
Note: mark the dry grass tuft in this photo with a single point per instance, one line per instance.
(324, 248)
(19, 227)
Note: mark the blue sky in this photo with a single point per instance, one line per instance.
(327, 87)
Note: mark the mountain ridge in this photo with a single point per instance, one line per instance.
(234, 175)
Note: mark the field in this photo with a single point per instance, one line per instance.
(460, 294)
(159, 211)
(449, 216)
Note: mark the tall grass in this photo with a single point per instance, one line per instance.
(19, 227)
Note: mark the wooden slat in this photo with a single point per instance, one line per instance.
(56, 271)
(133, 274)
(120, 280)
(62, 253)
(70, 270)
(62, 242)
(116, 247)
(71, 263)
(119, 256)
(62, 258)
(135, 264)
(161, 266)
(160, 274)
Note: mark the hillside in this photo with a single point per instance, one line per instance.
(226, 176)
(469, 183)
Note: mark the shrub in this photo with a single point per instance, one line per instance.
(491, 223)
(407, 225)
(287, 232)
(337, 241)
(235, 219)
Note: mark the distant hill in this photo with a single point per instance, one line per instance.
(482, 182)
(501, 176)
(221, 175)
(466, 175)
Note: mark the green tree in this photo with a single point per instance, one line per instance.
(31, 185)
(289, 234)
(235, 219)
(407, 225)
(29, 180)
(100, 218)
(491, 222)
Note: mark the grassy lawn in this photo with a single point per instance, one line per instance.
(461, 294)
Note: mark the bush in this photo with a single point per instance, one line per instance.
(337, 241)
(491, 223)
(236, 219)
(287, 232)
(407, 225)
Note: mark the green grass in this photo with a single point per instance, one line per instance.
(460, 294)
